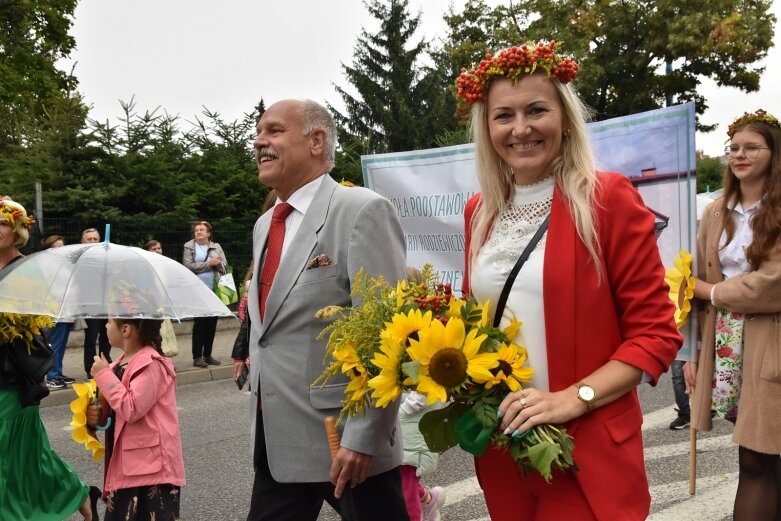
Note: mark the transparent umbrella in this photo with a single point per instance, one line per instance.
(104, 279)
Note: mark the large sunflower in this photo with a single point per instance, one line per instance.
(85, 395)
(510, 369)
(681, 283)
(447, 357)
(402, 326)
(387, 384)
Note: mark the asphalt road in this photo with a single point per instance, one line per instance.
(213, 417)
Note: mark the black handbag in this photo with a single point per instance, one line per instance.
(31, 364)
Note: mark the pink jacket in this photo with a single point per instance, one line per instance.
(147, 444)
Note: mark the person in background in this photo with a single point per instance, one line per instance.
(681, 397)
(169, 344)
(597, 319)
(96, 327)
(738, 374)
(154, 246)
(59, 333)
(207, 260)
(307, 252)
(36, 483)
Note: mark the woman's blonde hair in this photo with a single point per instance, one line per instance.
(574, 173)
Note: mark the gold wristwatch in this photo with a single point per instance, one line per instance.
(587, 395)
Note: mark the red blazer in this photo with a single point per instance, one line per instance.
(627, 317)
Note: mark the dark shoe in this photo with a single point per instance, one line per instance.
(67, 379)
(94, 495)
(212, 361)
(681, 422)
(55, 384)
(200, 362)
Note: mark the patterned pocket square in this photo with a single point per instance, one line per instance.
(319, 261)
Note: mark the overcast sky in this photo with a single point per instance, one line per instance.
(183, 55)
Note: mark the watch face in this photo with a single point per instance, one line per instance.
(586, 393)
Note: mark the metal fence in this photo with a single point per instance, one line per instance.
(234, 235)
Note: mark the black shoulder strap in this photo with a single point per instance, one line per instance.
(514, 272)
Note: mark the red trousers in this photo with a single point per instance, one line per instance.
(512, 495)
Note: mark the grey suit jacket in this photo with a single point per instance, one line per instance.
(355, 228)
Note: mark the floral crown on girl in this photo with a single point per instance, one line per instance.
(513, 63)
(14, 213)
(760, 116)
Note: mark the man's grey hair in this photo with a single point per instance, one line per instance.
(316, 117)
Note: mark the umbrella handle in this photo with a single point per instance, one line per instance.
(692, 461)
(108, 421)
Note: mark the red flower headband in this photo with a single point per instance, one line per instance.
(760, 116)
(513, 63)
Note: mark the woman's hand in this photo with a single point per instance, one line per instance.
(214, 262)
(522, 410)
(690, 376)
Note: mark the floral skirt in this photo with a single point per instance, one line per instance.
(34, 482)
(728, 371)
(147, 503)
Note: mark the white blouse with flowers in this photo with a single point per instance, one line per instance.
(510, 235)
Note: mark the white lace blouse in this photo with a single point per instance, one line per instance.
(510, 235)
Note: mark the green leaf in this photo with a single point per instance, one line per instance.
(542, 455)
(485, 413)
(438, 427)
(412, 369)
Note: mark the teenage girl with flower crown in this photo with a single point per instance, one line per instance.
(144, 467)
(738, 376)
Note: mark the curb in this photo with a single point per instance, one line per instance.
(192, 376)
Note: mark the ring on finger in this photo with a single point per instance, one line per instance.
(522, 401)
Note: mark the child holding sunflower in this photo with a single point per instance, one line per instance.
(144, 467)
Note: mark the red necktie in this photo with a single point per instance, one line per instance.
(276, 236)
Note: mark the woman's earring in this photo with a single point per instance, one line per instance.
(566, 132)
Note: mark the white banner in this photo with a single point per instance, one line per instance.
(429, 188)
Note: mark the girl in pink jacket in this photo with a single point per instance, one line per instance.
(144, 466)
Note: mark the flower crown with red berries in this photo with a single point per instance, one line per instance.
(13, 213)
(513, 63)
(760, 116)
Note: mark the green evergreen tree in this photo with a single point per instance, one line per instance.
(399, 99)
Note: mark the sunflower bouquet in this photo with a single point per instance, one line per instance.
(420, 336)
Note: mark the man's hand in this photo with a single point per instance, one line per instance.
(98, 365)
(349, 467)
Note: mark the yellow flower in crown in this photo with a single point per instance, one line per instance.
(85, 395)
(448, 356)
(510, 370)
(681, 283)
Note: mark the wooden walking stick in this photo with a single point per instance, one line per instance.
(347, 507)
(692, 460)
(692, 446)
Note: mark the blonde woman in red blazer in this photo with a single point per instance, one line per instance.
(596, 278)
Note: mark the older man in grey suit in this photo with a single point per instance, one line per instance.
(326, 233)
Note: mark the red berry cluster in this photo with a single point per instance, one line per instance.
(565, 71)
(512, 63)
